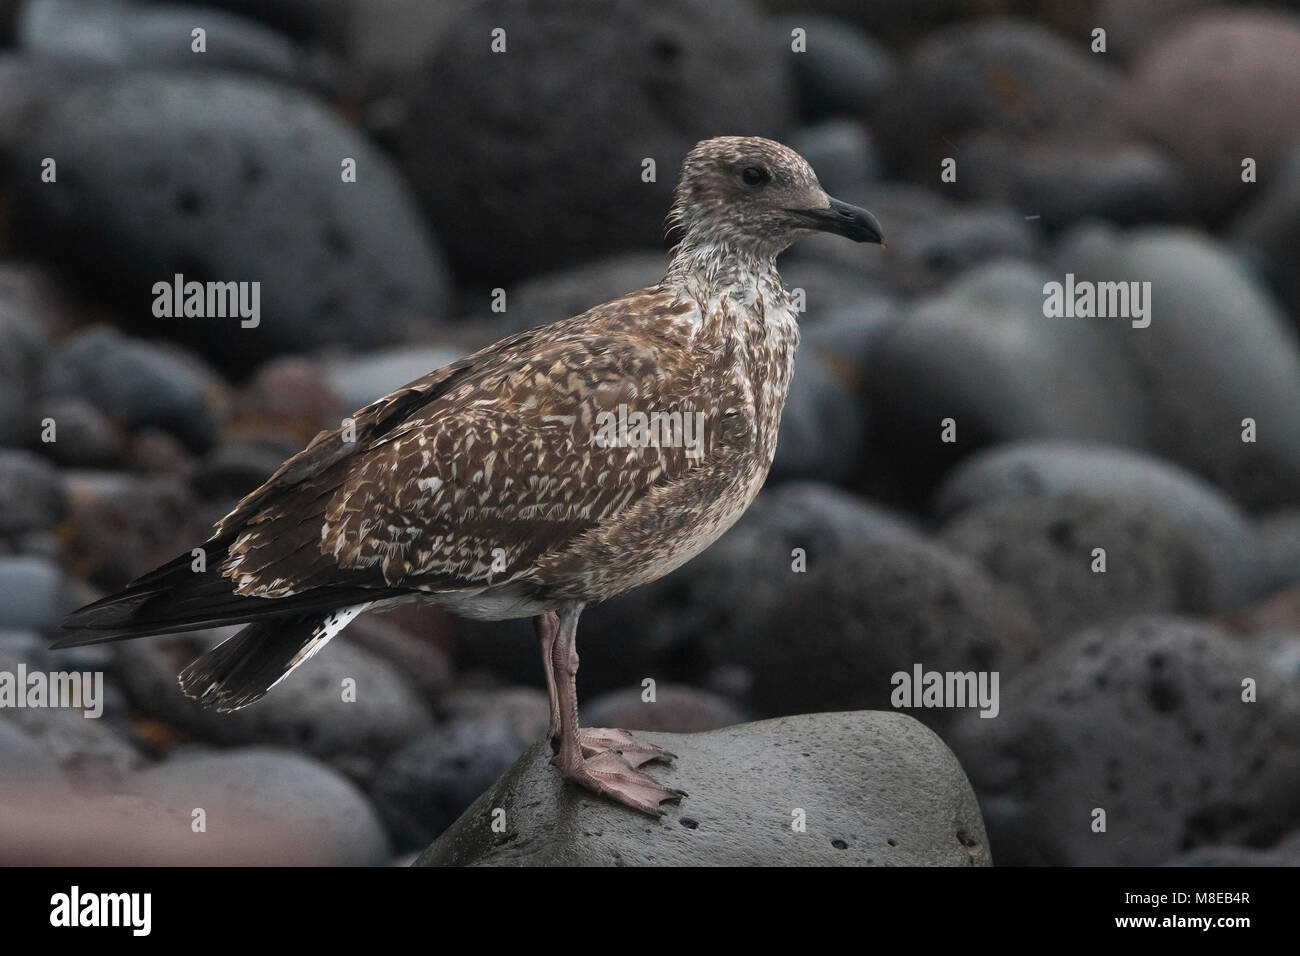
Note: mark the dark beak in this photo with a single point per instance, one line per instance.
(843, 220)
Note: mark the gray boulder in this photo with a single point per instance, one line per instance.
(646, 81)
(1042, 548)
(1227, 542)
(1145, 720)
(1286, 853)
(1267, 230)
(676, 708)
(134, 35)
(842, 152)
(34, 593)
(1280, 533)
(26, 762)
(227, 178)
(87, 437)
(302, 812)
(422, 787)
(138, 383)
(1218, 350)
(308, 711)
(823, 424)
(31, 494)
(989, 95)
(982, 353)
(843, 629)
(1219, 87)
(998, 77)
(24, 330)
(871, 788)
(842, 70)
(93, 751)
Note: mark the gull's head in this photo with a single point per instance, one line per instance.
(755, 195)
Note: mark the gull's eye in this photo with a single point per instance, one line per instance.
(754, 175)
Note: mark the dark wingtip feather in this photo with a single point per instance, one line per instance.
(81, 640)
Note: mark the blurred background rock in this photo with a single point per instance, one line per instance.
(522, 171)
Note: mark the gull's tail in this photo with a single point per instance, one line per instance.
(240, 670)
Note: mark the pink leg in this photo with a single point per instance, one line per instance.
(605, 771)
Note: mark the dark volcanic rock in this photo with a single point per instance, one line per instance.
(842, 152)
(424, 786)
(1269, 228)
(676, 709)
(121, 525)
(1146, 721)
(34, 594)
(1285, 853)
(223, 178)
(841, 69)
(823, 424)
(1220, 87)
(1042, 548)
(86, 436)
(138, 383)
(134, 35)
(871, 789)
(31, 493)
(1203, 375)
(345, 705)
(1004, 77)
(888, 602)
(992, 95)
(307, 813)
(1227, 543)
(92, 751)
(983, 354)
(526, 162)
(1280, 535)
(23, 345)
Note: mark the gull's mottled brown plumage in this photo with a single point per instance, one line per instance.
(489, 461)
(482, 487)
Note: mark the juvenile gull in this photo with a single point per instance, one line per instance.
(493, 487)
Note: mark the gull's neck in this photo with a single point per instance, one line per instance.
(712, 266)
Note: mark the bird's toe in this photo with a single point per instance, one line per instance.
(595, 740)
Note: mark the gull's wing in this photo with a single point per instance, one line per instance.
(465, 477)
